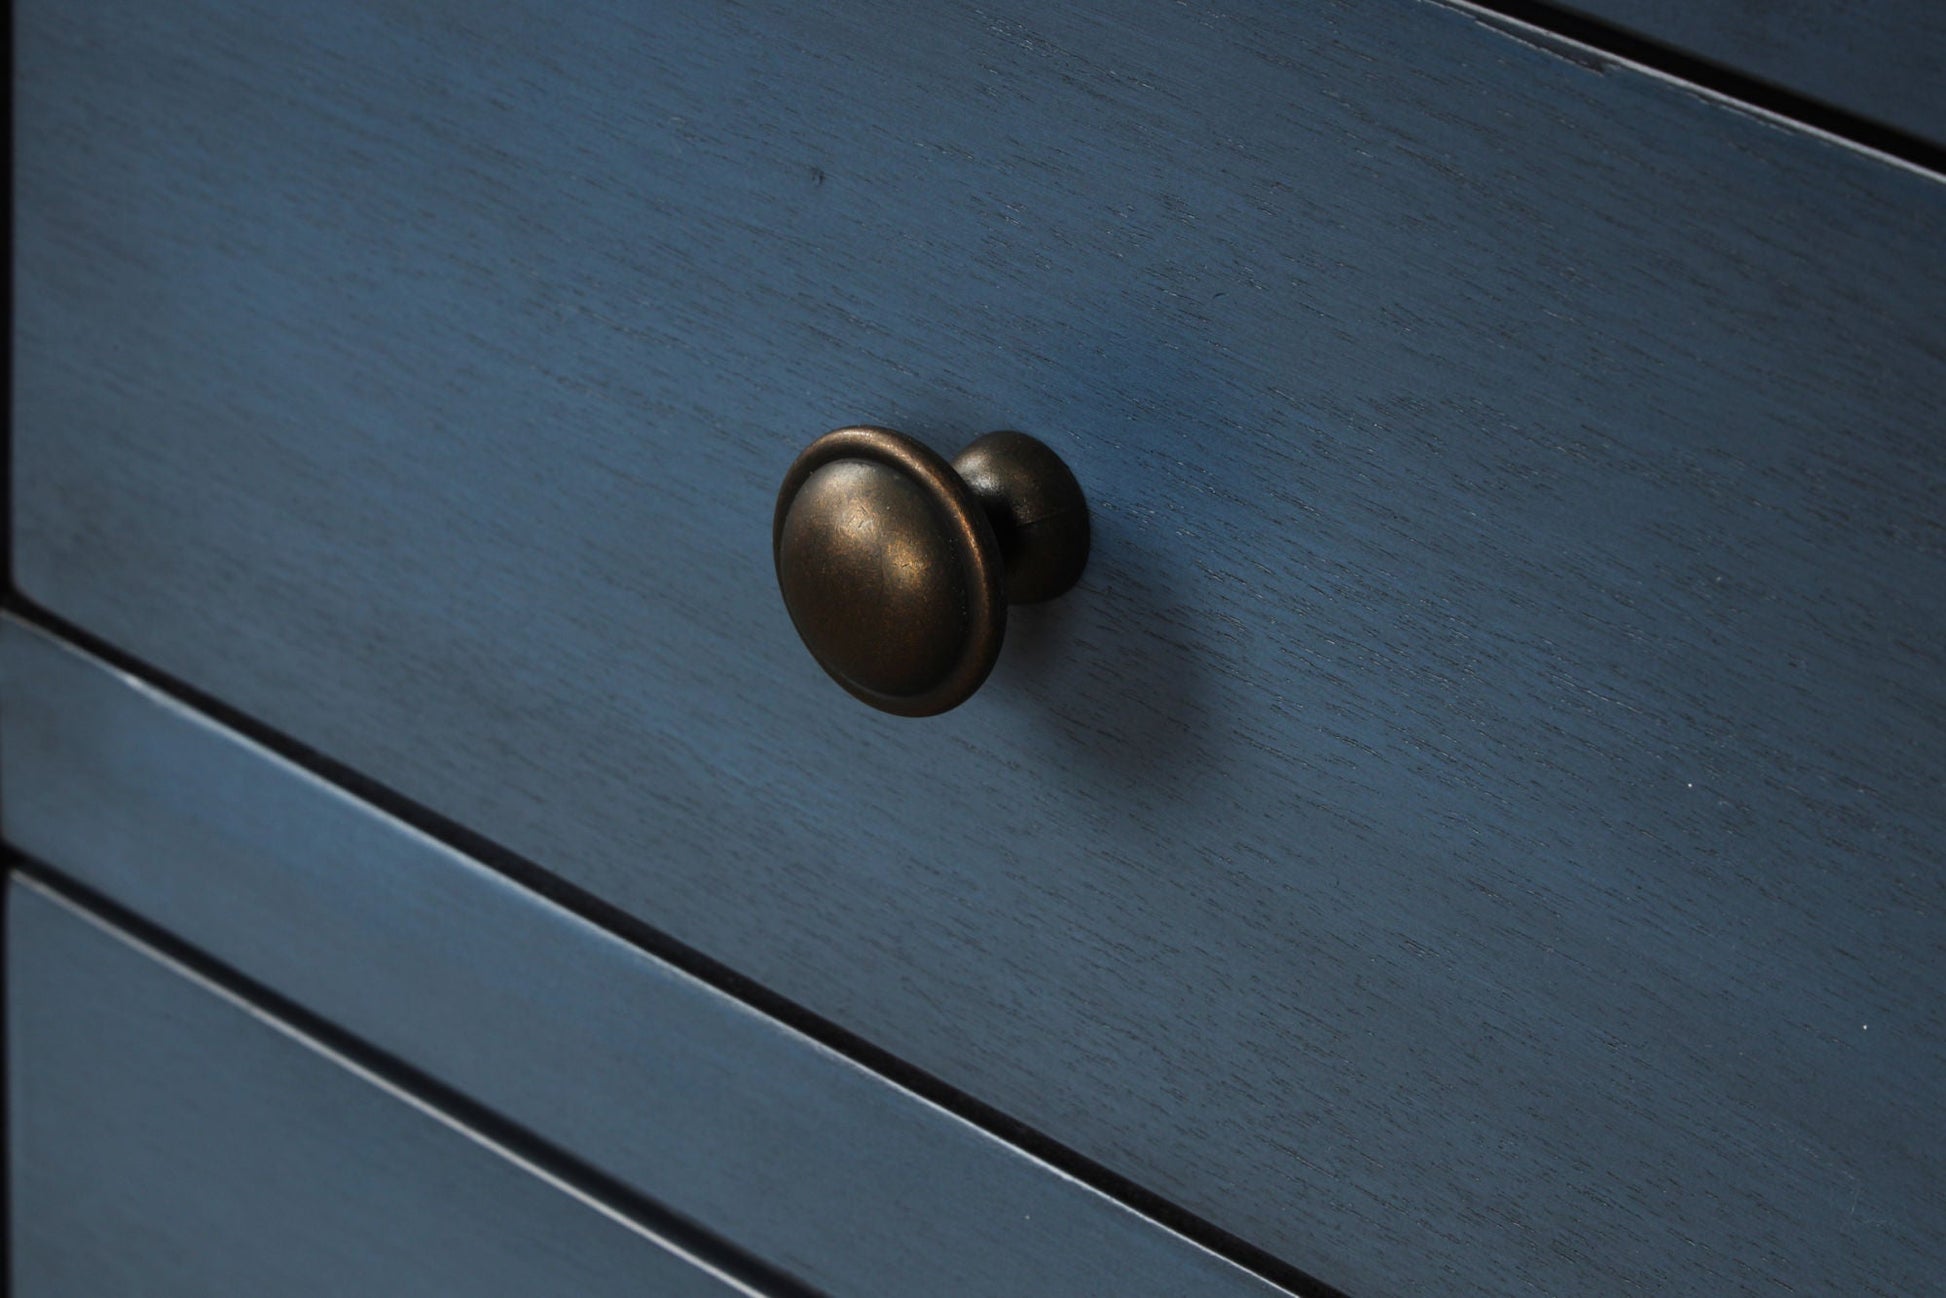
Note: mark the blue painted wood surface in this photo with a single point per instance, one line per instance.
(168, 1140)
(1881, 59)
(1477, 824)
(769, 1141)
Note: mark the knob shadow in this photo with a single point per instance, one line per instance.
(1110, 676)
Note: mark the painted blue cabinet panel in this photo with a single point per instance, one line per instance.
(168, 1140)
(791, 1153)
(1477, 824)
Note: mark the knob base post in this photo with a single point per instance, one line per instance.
(1036, 510)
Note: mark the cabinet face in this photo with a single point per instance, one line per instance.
(1479, 814)
(165, 1139)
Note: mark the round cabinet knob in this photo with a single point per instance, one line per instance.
(898, 567)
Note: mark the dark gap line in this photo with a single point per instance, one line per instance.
(605, 915)
(1605, 38)
(614, 1194)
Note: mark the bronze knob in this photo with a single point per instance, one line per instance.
(898, 567)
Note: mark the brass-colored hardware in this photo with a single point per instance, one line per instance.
(897, 567)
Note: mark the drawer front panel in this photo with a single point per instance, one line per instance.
(1479, 811)
(165, 1139)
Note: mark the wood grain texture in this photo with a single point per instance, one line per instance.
(169, 1141)
(1478, 821)
(1882, 59)
(719, 1113)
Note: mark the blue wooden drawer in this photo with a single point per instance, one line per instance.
(1476, 823)
(168, 1140)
